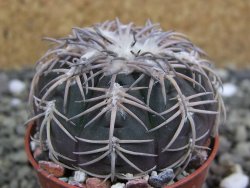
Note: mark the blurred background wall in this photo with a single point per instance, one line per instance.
(220, 27)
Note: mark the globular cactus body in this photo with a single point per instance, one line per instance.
(115, 99)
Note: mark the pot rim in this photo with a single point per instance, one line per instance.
(186, 179)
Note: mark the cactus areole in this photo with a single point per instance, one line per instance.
(114, 99)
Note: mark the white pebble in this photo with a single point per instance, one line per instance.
(33, 145)
(128, 175)
(234, 180)
(79, 176)
(16, 87)
(118, 185)
(64, 179)
(153, 173)
(146, 177)
(15, 102)
(228, 90)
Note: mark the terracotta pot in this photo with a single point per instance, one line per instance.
(194, 180)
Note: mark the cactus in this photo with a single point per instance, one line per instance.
(114, 99)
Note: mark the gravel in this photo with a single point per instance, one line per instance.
(15, 172)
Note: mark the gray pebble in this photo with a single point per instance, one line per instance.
(245, 86)
(6, 186)
(217, 169)
(24, 183)
(9, 122)
(225, 144)
(246, 166)
(23, 171)
(226, 159)
(241, 134)
(20, 130)
(162, 178)
(18, 157)
(14, 183)
(242, 149)
(247, 122)
(223, 74)
(18, 143)
(6, 143)
(3, 83)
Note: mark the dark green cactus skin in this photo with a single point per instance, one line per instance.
(113, 155)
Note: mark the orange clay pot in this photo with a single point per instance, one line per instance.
(194, 180)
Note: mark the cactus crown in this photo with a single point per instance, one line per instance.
(114, 99)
